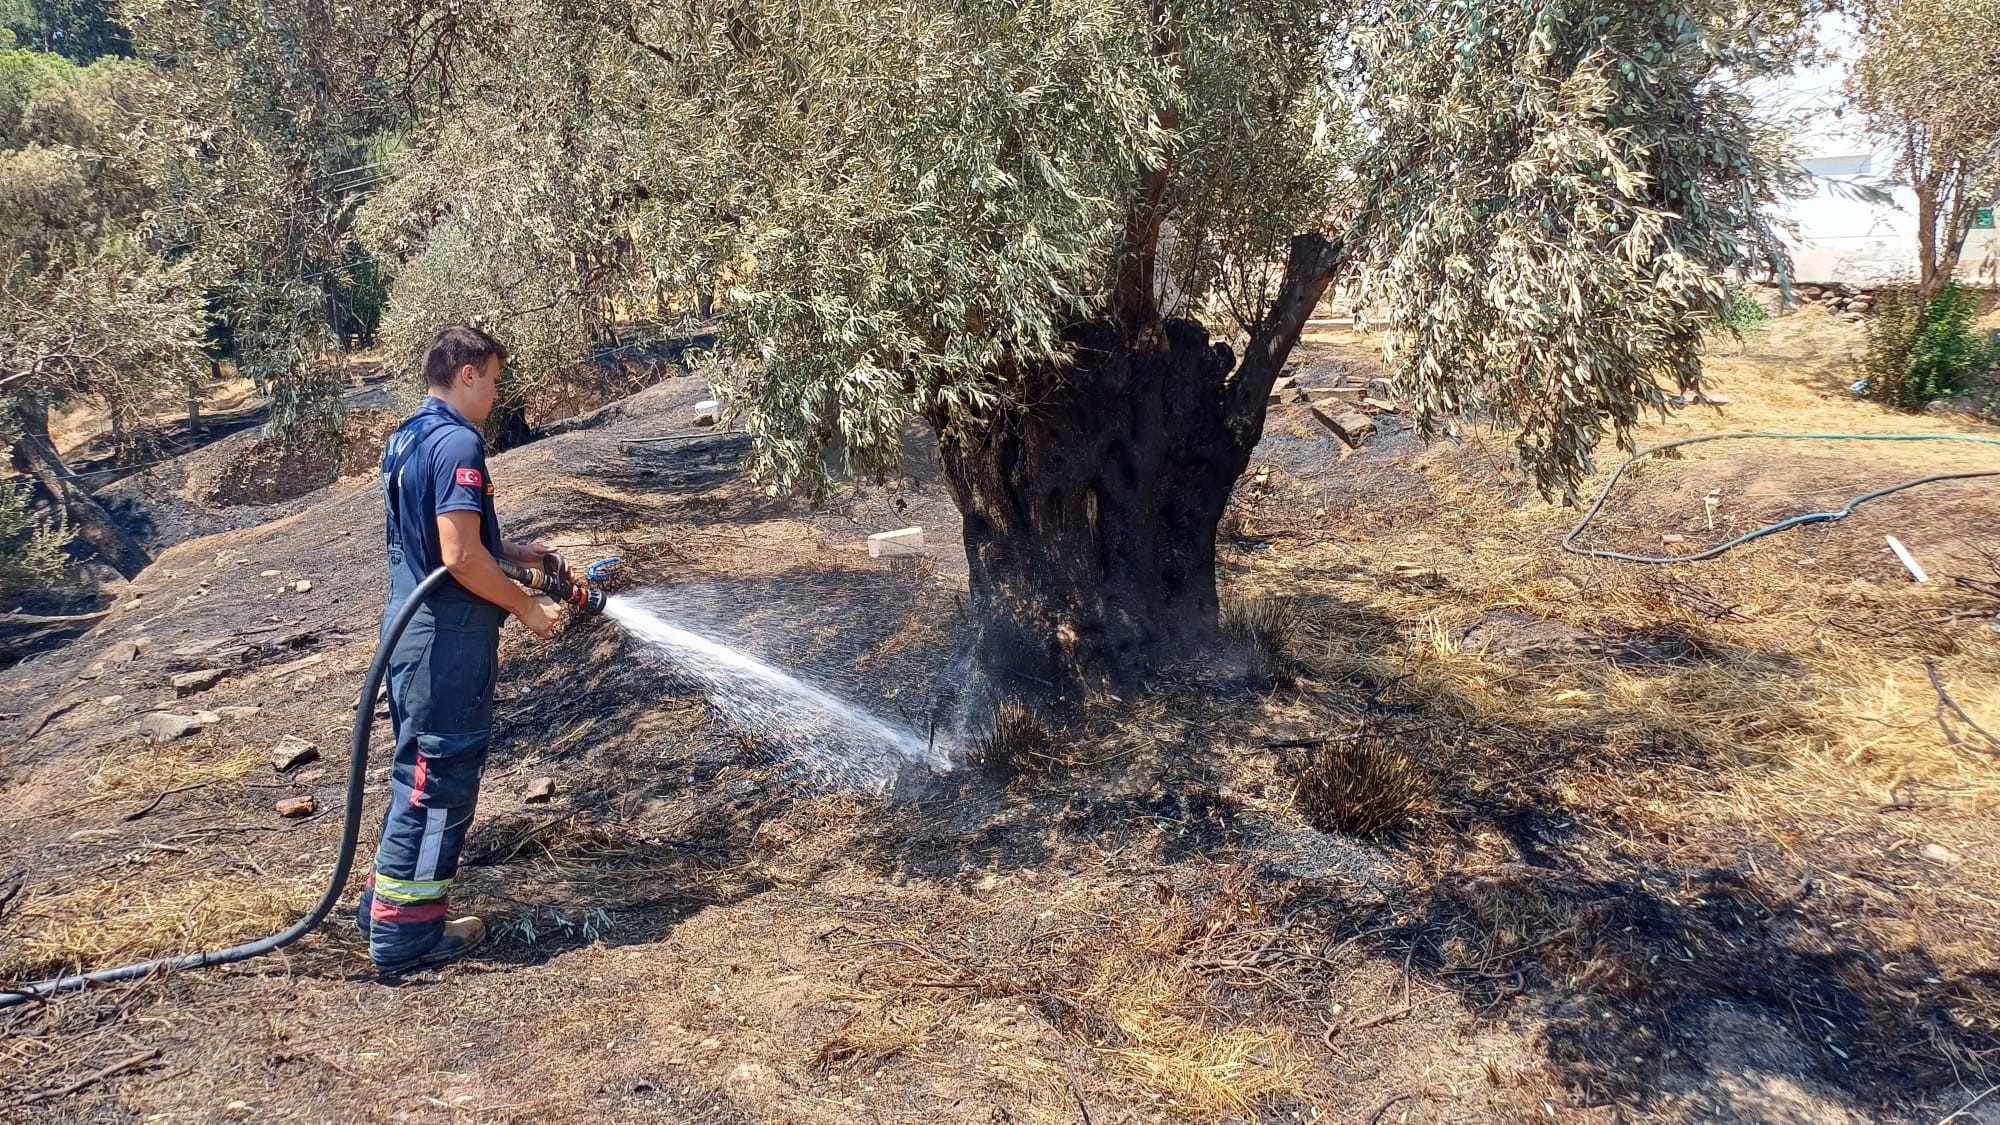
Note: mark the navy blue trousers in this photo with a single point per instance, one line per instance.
(441, 679)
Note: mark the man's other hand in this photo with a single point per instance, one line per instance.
(540, 617)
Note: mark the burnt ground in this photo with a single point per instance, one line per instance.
(1687, 843)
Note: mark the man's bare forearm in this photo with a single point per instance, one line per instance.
(481, 575)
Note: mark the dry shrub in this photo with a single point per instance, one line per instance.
(1269, 631)
(112, 923)
(1023, 741)
(1363, 787)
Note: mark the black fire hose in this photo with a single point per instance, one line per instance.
(350, 834)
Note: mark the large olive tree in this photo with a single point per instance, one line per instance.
(1079, 239)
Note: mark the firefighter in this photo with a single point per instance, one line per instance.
(438, 496)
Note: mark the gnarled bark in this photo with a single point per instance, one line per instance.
(1091, 501)
(35, 454)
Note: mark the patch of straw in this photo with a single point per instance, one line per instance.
(111, 923)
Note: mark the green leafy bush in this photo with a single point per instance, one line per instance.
(1920, 351)
(1746, 312)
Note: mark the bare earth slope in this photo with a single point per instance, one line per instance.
(1687, 843)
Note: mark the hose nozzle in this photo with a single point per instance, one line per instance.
(552, 579)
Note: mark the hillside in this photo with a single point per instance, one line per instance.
(1698, 842)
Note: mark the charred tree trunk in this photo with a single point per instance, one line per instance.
(1091, 503)
(36, 455)
(507, 427)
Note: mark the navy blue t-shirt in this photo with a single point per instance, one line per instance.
(434, 463)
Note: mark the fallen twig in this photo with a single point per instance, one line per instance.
(1946, 702)
(1382, 1107)
(1076, 1092)
(164, 794)
(55, 711)
(1961, 1111)
(1378, 1021)
(89, 1080)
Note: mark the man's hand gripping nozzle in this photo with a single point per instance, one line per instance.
(553, 579)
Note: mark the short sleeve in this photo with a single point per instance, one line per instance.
(458, 465)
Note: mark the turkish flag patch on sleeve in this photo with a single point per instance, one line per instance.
(470, 478)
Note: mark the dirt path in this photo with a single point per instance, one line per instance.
(1689, 844)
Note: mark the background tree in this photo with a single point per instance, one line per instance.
(89, 311)
(514, 213)
(1928, 80)
(283, 114)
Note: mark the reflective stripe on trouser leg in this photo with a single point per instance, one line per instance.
(441, 689)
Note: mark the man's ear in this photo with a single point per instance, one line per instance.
(468, 373)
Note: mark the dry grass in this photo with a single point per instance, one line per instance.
(1133, 981)
(150, 770)
(1153, 991)
(108, 923)
(1767, 718)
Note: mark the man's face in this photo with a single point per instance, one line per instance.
(481, 384)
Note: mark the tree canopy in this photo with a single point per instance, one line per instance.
(904, 202)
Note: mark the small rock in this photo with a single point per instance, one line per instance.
(706, 412)
(1353, 430)
(1382, 404)
(311, 777)
(302, 586)
(270, 574)
(292, 751)
(188, 683)
(1670, 538)
(1938, 853)
(297, 806)
(894, 544)
(208, 718)
(299, 665)
(541, 791)
(163, 726)
(238, 711)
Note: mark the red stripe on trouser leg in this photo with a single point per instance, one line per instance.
(417, 782)
(414, 914)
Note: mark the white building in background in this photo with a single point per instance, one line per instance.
(1840, 235)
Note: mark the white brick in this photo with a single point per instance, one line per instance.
(891, 544)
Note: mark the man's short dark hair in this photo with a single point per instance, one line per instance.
(453, 348)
